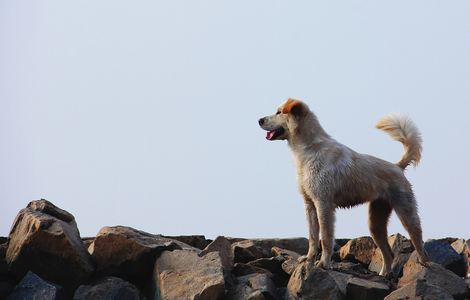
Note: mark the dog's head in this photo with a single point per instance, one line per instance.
(282, 125)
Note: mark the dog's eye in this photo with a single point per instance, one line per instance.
(278, 112)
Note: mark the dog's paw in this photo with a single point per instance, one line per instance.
(304, 258)
(322, 264)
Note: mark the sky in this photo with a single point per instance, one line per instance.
(144, 113)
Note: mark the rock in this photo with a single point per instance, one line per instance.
(197, 241)
(401, 248)
(241, 269)
(359, 249)
(224, 248)
(34, 287)
(441, 252)
(182, 274)
(308, 282)
(420, 289)
(107, 288)
(87, 241)
(45, 240)
(434, 274)
(128, 253)
(274, 266)
(358, 288)
(462, 247)
(254, 286)
(246, 251)
(290, 259)
(298, 245)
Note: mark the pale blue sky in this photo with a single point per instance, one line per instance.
(144, 113)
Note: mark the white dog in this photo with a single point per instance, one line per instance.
(331, 175)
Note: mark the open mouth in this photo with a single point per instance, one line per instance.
(271, 135)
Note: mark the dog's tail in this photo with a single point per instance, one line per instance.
(402, 129)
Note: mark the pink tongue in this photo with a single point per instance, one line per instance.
(270, 134)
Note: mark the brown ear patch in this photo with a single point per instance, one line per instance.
(290, 106)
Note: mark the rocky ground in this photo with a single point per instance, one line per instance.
(45, 258)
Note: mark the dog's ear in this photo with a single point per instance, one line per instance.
(294, 107)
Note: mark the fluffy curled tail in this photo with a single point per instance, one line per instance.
(402, 129)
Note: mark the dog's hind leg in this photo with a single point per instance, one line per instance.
(313, 228)
(379, 214)
(407, 211)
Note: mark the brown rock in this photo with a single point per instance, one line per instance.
(107, 288)
(290, 259)
(358, 288)
(420, 289)
(45, 239)
(182, 274)
(224, 248)
(298, 245)
(254, 286)
(434, 274)
(246, 251)
(128, 253)
(241, 269)
(360, 250)
(308, 282)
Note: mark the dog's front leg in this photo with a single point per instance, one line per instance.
(313, 230)
(326, 218)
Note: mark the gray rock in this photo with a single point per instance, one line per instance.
(45, 239)
(224, 248)
(308, 282)
(274, 266)
(128, 253)
(434, 274)
(360, 249)
(420, 289)
(107, 288)
(182, 274)
(358, 288)
(254, 286)
(34, 287)
(441, 252)
(298, 245)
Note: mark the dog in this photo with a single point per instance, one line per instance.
(331, 175)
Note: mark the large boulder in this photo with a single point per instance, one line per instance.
(360, 249)
(434, 274)
(308, 282)
(420, 289)
(246, 251)
(127, 252)
(107, 288)
(441, 252)
(34, 287)
(183, 274)
(45, 239)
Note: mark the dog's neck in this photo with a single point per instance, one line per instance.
(307, 134)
